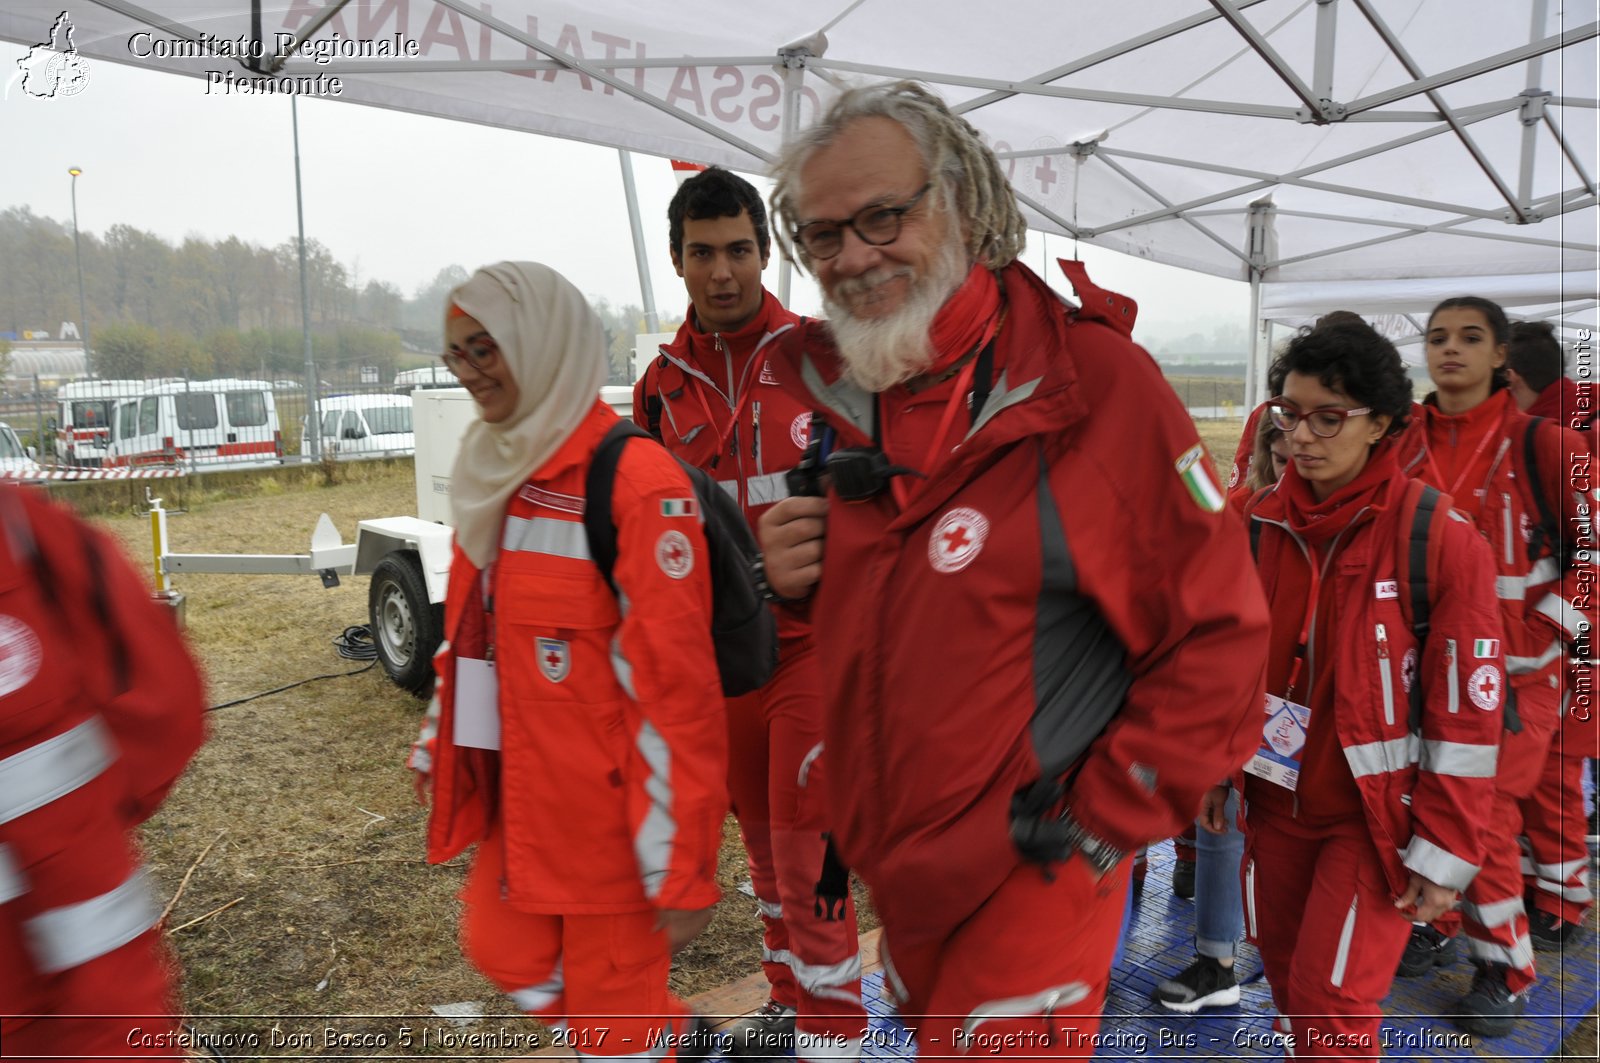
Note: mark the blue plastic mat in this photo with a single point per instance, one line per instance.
(1160, 943)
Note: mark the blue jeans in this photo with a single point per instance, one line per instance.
(1218, 900)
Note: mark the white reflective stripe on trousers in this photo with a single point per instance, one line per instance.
(67, 937)
(52, 769)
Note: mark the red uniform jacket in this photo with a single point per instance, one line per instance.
(1544, 604)
(1428, 795)
(1054, 526)
(609, 779)
(722, 410)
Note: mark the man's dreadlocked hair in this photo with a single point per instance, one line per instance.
(967, 177)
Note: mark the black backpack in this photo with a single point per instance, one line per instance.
(743, 629)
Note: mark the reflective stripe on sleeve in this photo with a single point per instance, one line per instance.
(1526, 665)
(652, 845)
(74, 934)
(767, 488)
(1376, 758)
(54, 768)
(1436, 865)
(1564, 613)
(546, 535)
(1459, 759)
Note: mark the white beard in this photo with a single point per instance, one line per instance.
(878, 353)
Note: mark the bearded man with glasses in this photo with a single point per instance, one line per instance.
(1039, 636)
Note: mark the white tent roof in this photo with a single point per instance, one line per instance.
(1376, 138)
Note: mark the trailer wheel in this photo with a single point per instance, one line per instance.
(406, 626)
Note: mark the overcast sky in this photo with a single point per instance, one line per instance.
(397, 197)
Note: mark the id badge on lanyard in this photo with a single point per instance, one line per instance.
(1283, 739)
(477, 688)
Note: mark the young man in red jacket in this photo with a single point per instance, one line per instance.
(1040, 638)
(712, 398)
(1555, 866)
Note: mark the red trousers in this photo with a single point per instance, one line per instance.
(1555, 864)
(775, 780)
(1024, 975)
(1319, 908)
(600, 980)
(1492, 913)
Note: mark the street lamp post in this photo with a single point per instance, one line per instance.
(77, 246)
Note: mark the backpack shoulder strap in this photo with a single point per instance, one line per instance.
(1416, 601)
(1547, 530)
(1255, 525)
(598, 526)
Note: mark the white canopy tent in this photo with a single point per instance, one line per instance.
(1270, 141)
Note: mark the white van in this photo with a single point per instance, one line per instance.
(206, 422)
(364, 426)
(430, 376)
(16, 461)
(84, 411)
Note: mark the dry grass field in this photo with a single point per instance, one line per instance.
(293, 847)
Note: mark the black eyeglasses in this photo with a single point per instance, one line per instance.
(876, 225)
(481, 354)
(1326, 422)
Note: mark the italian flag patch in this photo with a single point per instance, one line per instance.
(1194, 468)
(1482, 648)
(679, 507)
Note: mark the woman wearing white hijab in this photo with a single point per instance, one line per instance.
(576, 734)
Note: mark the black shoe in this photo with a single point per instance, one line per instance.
(767, 1034)
(1183, 879)
(1551, 933)
(699, 1042)
(1205, 983)
(1426, 950)
(1490, 1008)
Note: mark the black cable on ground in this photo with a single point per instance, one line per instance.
(354, 643)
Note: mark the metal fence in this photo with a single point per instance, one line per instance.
(189, 424)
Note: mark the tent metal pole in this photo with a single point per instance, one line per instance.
(1255, 376)
(313, 386)
(794, 73)
(1534, 103)
(1322, 64)
(1269, 55)
(1572, 157)
(646, 289)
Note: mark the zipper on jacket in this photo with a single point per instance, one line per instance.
(1386, 679)
(1451, 681)
(1341, 957)
(755, 433)
(1505, 515)
(1250, 896)
(733, 409)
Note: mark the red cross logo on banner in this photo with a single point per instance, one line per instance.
(555, 659)
(957, 539)
(1484, 687)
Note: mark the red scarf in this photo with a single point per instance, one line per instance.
(1318, 522)
(962, 319)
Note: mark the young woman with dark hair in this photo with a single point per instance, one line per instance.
(1365, 805)
(1511, 476)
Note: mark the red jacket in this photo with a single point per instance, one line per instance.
(746, 433)
(1543, 603)
(944, 629)
(1427, 797)
(609, 779)
(101, 708)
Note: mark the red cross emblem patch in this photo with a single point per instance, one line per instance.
(675, 554)
(555, 658)
(20, 654)
(1484, 687)
(957, 539)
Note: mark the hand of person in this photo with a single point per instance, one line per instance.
(791, 542)
(683, 925)
(1425, 901)
(422, 784)
(1214, 810)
